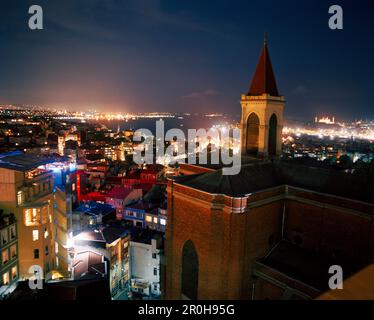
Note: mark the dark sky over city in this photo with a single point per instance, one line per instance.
(187, 56)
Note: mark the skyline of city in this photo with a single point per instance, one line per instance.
(164, 56)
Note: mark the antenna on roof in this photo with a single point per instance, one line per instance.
(265, 38)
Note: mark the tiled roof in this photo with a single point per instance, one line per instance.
(119, 192)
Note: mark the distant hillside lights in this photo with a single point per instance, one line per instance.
(224, 147)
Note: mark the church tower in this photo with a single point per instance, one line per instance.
(262, 112)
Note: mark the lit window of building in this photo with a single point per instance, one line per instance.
(13, 251)
(148, 218)
(155, 220)
(35, 235)
(163, 222)
(6, 278)
(45, 233)
(57, 262)
(19, 198)
(32, 217)
(56, 247)
(4, 256)
(14, 272)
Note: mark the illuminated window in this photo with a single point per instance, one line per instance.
(73, 187)
(163, 222)
(57, 262)
(155, 220)
(19, 198)
(32, 217)
(5, 256)
(56, 247)
(13, 251)
(35, 235)
(6, 278)
(14, 272)
(148, 218)
(45, 233)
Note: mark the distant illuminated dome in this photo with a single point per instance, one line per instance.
(325, 120)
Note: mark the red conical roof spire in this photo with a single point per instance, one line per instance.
(263, 80)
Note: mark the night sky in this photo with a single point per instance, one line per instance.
(187, 56)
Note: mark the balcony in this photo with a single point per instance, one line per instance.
(6, 219)
(36, 174)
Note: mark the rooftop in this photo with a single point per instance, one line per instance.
(142, 205)
(112, 233)
(107, 234)
(356, 287)
(18, 161)
(95, 208)
(119, 192)
(301, 264)
(145, 235)
(259, 176)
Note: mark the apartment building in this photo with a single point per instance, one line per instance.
(26, 189)
(9, 253)
(146, 249)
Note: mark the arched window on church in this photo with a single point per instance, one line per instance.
(253, 129)
(190, 271)
(272, 145)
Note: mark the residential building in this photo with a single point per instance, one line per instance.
(120, 196)
(64, 198)
(26, 189)
(9, 253)
(146, 248)
(136, 213)
(156, 219)
(111, 243)
(91, 214)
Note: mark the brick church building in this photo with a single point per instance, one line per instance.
(272, 231)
